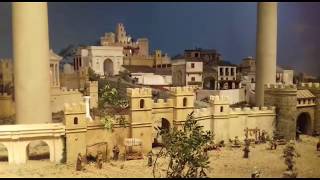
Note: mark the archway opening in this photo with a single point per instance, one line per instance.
(4, 155)
(38, 150)
(164, 127)
(209, 83)
(108, 67)
(304, 124)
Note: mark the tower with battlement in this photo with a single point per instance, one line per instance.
(219, 105)
(284, 98)
(92, 91)
(76, 128)
(140, 115)
(314, 88)
(183, 103)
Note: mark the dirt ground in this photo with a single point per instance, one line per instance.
(225, 163)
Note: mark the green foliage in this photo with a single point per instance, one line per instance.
(125, 75)
(112, 103)
(185, 150)
(92, 75)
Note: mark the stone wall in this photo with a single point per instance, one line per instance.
(284, 97)
(60, 96)
(314, 88)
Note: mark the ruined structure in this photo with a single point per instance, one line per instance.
(297, 107)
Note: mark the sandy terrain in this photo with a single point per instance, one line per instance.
(226, 163)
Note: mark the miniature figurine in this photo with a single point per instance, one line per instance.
(115, 151)
(99, 160)
(150, 158)
(79, 163)
(246, 148)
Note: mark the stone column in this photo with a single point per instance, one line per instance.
(58, 75)
(31, 62)
(266, 48)
(87, 104)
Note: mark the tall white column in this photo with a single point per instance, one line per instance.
(266, 48)
(87, 105)
(31, 62)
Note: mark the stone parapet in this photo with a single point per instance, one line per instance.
(219, 100)
(253, 110)
(162, 103)
(74, 108)
(139, 92)
(182, 91)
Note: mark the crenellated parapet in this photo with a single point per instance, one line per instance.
(280, 89)
(74, 108)
(218, 100)
(253, 110)
(64, 91)
(162, 103)
(280, 86)
(5, 95)
(310, 85)
(5, 61)
(139, 92)
(182, 91)
(202, 112)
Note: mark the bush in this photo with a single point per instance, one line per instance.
(186, 150)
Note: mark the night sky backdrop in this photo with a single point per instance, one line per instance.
(229, 28)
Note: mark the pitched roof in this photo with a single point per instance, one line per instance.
(147, 69)
(139, 69)
(303, 94)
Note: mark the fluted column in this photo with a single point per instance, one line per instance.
(31, 62)
(266, 48)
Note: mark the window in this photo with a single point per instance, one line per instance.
(221, 109)
(221, 72)
(196, 55)
(75, 120)
(192, 65)
(232, 71)
(193, 79)
(299, 101)
(141, 103)
(184, 102)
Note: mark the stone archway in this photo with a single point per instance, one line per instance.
(303, 123)
(164, 124)
(108, 67)
(209, 83)
(38, 150)
(4, 153)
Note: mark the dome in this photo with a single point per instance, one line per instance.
(68, 69)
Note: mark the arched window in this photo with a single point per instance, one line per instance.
(75, 120)
(141, 103)
(221, 109)
(184, 102)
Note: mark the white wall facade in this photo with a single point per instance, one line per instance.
(95, 57)
(152, 79)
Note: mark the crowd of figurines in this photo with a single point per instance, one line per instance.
(289, 151)
(82, 160)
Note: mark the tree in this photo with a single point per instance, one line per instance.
(111, 103)
(92, 75)
(186, 150)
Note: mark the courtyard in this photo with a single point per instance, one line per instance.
(225, 163)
